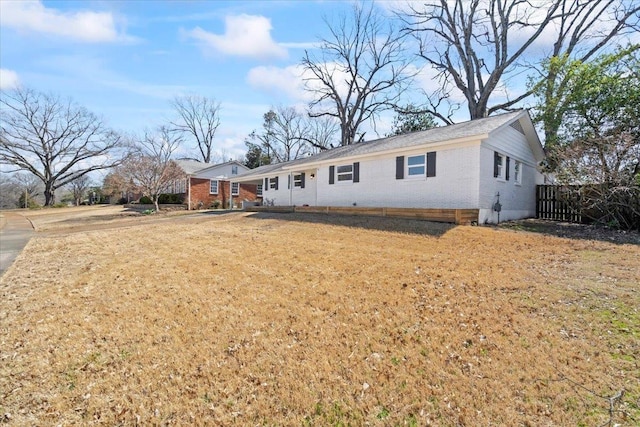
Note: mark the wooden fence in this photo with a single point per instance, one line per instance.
(559, 203)
(455, 216)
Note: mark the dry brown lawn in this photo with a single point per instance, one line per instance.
(311, 320)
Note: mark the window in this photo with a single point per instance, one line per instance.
(181, 186)
(498, 165)
(501, 166)
(517, 172)
(234, 170)
(273, 183)
(422, 165)
(259, 190)
(213, 186)
(345, 173)
(298, 180)
(235, 188)
(416, 165)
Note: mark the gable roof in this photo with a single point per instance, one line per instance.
(472, 129)
(194, 167)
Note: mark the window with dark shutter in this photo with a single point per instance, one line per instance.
(400, 167)
(332, 172)
(266, 184)
(431, 164)
(356, 172)
(506, 172)
(276, 180)
(288, 182)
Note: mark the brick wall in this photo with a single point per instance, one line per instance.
(201, 195)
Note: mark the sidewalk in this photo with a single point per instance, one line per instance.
(14, 235)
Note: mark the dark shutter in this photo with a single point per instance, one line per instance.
(496, 159)
(356, 172)
(332, 171)
(276, 178)
(400, 167)
(302, 180)
(266, 184)
(289, 182)
(431, 163)
(506, 172)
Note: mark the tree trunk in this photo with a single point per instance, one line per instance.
(49, 196)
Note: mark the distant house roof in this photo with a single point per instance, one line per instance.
(445, 134)
(193, 167)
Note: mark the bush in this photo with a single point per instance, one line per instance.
(144, 200)
(215, 204)
(31, 203)
(171, 199)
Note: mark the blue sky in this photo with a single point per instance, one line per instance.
(125, 60)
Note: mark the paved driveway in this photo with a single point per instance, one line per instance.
(14, 236)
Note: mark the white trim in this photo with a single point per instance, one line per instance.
(211, 181)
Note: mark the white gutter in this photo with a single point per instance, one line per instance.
(189, 192)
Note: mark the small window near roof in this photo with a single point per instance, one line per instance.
(235, 188)
(234, 170)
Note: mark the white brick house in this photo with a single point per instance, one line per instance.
(469, 165)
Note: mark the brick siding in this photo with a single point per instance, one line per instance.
(202, 198)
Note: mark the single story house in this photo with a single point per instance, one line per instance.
(489, 164)
(208, 186)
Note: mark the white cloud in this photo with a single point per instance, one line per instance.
(8, 79)
(286, 81)
(83, 26)
(245, 35)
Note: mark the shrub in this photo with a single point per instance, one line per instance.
(215, 204)
(171, 199)
(31, 202)
(144, 200)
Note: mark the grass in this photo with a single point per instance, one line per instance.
(304, 320)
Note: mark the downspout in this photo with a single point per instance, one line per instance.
(316, 186)
(231, 195)
(188, 192)
(290, 188)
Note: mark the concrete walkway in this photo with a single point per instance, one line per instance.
(14, 236)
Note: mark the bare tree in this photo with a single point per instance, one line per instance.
(151, 170)
(360, 71)
(79, 187)
(477, 46)
(198, 118)
(19, 190)
(283, 137)
(321, 132)
(55, 140)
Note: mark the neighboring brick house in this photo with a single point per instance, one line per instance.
(208, 186)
